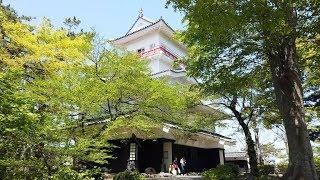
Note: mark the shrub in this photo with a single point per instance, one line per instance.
(128, 175)
(68, 173)
(222, 172)
(282, 168)
(266, 169)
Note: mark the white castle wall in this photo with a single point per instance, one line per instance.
(158, 62)
(172, 46)
(143, 42)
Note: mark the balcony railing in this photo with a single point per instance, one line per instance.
(157, 49)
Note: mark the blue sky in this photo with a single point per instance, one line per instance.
(110, 18)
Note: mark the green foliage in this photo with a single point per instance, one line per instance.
(68, 173)
(239, 49)
(116, 86)
(71, 22)
(128, 175)
(317, 163)
(229, 40)
(310, 56)
(35, 140)
(17, 127)
(269, 152)
(42, 47)
(225, 54)
(222, 172)
(32, 146)
(266, 169)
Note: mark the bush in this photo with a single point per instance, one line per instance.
(128, 175)
(266, 169)
(68, 173)
(222, 172)
(282, 168)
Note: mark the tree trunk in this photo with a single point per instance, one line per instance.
(289, 96)
(250, 145)
(257, 138)
(258, 146)
(250, 150)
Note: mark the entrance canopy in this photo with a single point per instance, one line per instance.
(178, 135)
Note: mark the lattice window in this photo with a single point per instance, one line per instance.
(140, 51)
(133, 152)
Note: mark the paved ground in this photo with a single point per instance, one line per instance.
(172, 178)
(167, 176)
(178, 178)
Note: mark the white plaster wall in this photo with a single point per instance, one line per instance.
(154, 65)
(172, 46)
(158, 63)
(164, 65)
(143, 42)
(221, 156)
(167, 146)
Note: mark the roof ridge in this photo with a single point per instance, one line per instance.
(133, 25)
(159, 20)
(142, 17)
(147, 19)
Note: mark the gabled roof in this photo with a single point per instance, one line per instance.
(140, 23)
(159, 22)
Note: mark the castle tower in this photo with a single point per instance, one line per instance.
(153, 40)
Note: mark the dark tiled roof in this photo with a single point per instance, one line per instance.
(206, 132)
(214, 134)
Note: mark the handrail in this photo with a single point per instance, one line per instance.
(159, 48)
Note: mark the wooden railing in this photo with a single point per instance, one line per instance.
(157, 49)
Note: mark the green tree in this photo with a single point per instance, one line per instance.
(242, 96)
(249, 34)
(34, 140)
(310, 54)
(115, 87)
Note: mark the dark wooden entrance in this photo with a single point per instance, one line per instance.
(150, 154)
(198, 159)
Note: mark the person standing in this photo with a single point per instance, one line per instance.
(176, 166)
(183, 164)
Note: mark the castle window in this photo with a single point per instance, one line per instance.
(140, 51)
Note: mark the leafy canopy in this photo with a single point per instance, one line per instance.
(32, 143)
